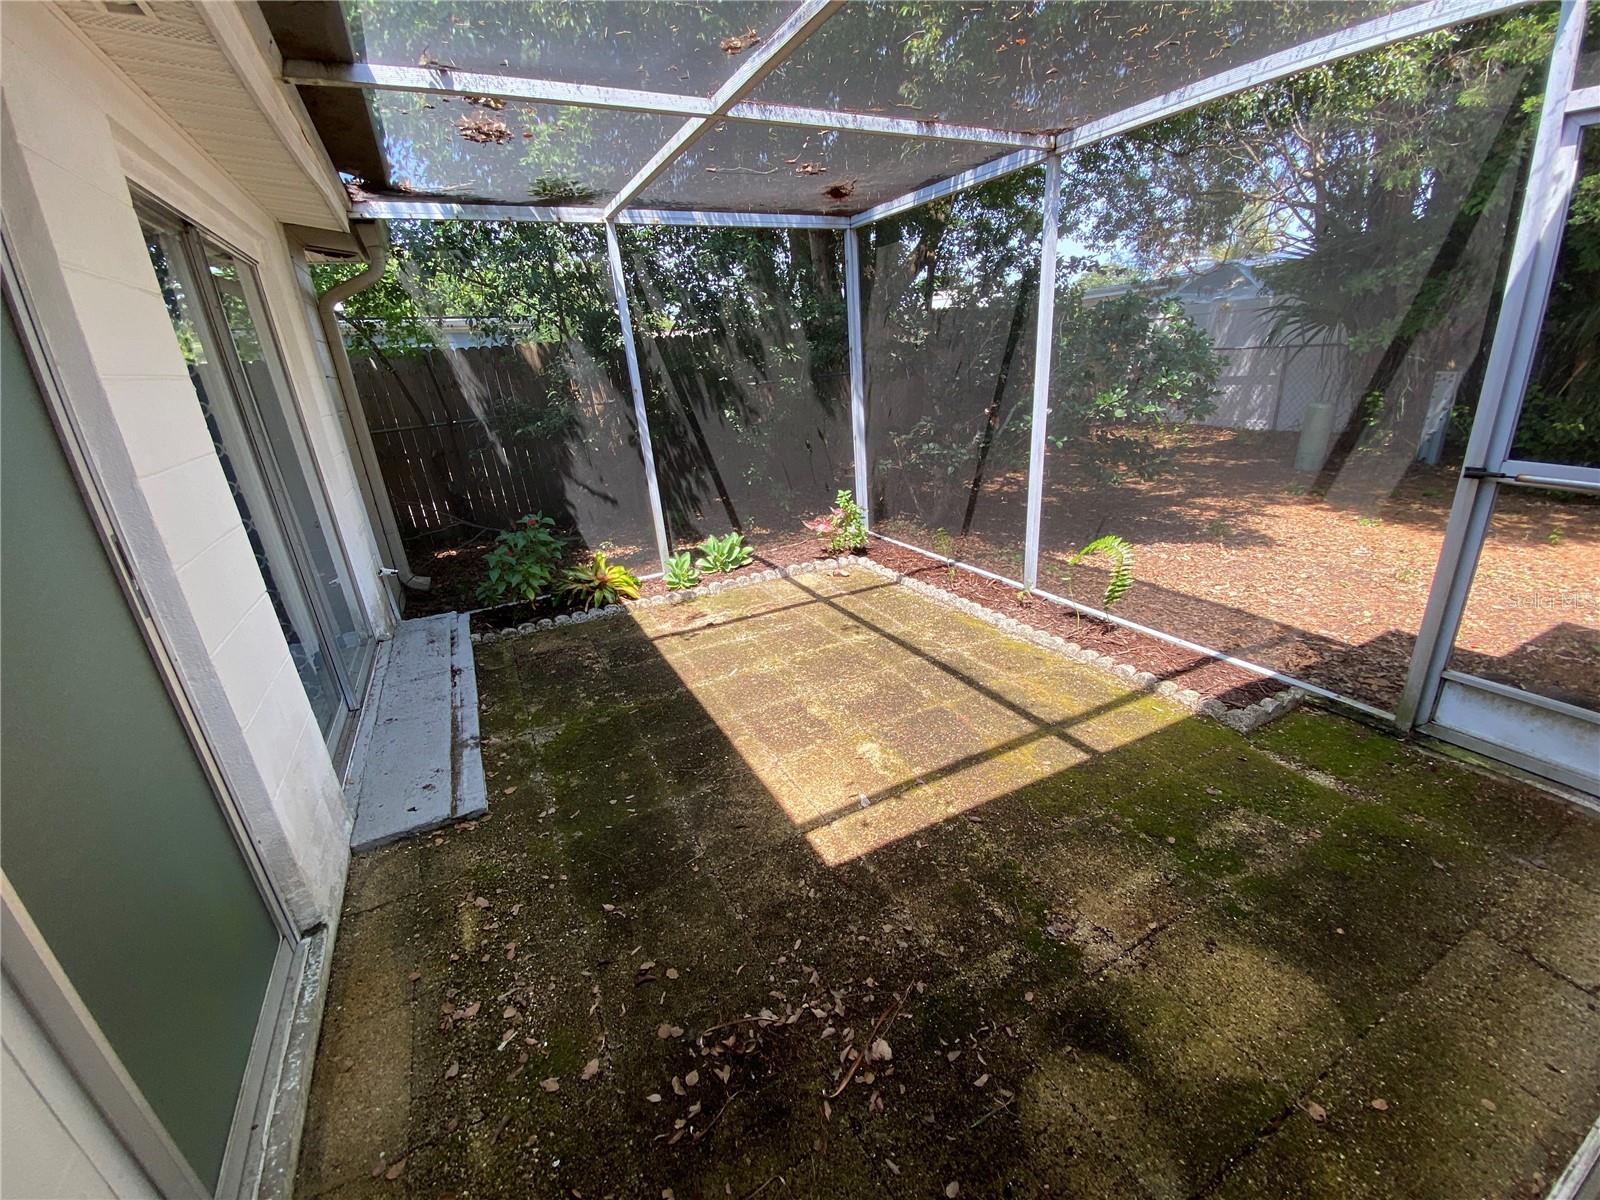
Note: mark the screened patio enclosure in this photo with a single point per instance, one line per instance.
(1293, 299)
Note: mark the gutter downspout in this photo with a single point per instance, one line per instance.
(373, 237)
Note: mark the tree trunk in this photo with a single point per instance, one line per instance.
(991, 415)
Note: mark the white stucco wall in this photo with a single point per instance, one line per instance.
(75, 134)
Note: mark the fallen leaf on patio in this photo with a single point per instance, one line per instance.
(654, 1097)
(880, 1051)
(452, 1070)
(396, 1169)
(1381, 1105)
(981, 1080)
(1315, 1111)
(591, 1068)
(414, 976)
(1489, 1105)
(481, 901)
(665, 1031)
(550, 1085)
(692, 1078)
(672, 972)
(952, 1189)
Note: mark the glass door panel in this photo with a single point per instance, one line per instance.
(273, 553)
(244, 312)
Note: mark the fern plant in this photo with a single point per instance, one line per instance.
(599, 583)
(721, 554)
(1119, 554)
(681, 572)
(522, 564)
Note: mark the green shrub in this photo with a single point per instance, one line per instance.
(721, 554)
(681, 572)
(599, 583)
(523, 562)
(845, 528)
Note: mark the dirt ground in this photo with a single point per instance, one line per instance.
(816, 888)
(1232, 552)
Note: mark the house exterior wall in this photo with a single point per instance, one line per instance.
(76, 134)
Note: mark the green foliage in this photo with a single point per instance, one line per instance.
(1128, 369)
(1119, 554)
(523, 562)
(681, 572)
(844, 528)
(722, 554)
(599, 582)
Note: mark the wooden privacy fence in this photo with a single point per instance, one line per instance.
(470, 439)
(473, 438)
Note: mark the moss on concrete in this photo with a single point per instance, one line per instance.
(1113, 949)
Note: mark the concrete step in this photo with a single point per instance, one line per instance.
(416, 765)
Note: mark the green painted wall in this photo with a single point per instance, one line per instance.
(109, 831)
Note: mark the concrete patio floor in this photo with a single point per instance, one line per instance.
(1109, 948)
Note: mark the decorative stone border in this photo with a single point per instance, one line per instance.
(1241, 719)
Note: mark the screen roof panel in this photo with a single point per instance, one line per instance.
(508, 152)
(687, 48)
(751, 167)
(1036, 67)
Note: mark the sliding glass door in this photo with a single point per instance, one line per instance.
(222, 326)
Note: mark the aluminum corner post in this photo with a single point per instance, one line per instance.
(1044, 342)
(1505, 377)
(858, 375)
(630, 350)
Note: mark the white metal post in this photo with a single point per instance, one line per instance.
(858, 377)
(1043, 343)
(619, 285)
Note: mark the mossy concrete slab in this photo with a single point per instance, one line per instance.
(1112, 949)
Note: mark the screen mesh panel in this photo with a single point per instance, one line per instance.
(1033, 66)
(687, 48)
(949, 316)
(490, 364)
(750, 167)
(742, 344)
(511, 153)
(1272, 319)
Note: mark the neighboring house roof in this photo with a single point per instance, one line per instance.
(1234, 280)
